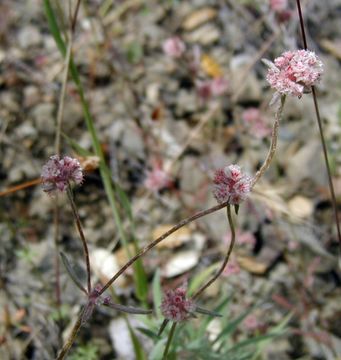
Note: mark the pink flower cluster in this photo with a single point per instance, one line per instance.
(157, 179)
(174, 47)
(278, 5)
(215, 87)
(58, 173)
(255, 122)
(175, 306)
(294, 72)
(231, 185)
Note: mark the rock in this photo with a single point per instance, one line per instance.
(104, 264)
(205, 35)
(32, 96)
(301, 207)
(307, 162)
(180, 263)
(121, 339)
(29, 36)
(199, 17)
(43, 116)
(243, 81)
(128, 136)
(174, 240)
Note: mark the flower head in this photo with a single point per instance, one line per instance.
(58, 173)
(255, 122)
(157, 179)
(174, 47)
(294, 71)
(278, 5)
(219, 86)
(231, 185)
(176, 306)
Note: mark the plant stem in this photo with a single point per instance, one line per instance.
(226, 259)
(159, 239)
(323, 142)
(81, 234)
(72, 337)
(57, 262)
(169, 340)
(273, 146)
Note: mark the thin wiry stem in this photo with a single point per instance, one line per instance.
(273, 145)
(226, 259)
(323, 142)
(81, 234)
(60, 115)
(169, 340)
(72, 337)
(159, 239)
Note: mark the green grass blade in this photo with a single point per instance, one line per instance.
(138, 349)
(140, 277)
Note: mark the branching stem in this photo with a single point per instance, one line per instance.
(226, 259)
(81, 234)
(159, 239)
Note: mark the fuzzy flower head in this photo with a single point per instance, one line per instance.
(278, 5)
(294, 72)
(58, 173)
(231, 185)
(174, 47)
(176, 306)
(157, 179)
(255, 122)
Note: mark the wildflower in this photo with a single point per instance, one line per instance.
(175, 306)
(174, 47)
(219, 86)
(294, 72)
(232, 267)
(278, 5)
(231, 185)
(157, 179)
(251, 322)
(256, 123)
(204, 90)
(58, 173)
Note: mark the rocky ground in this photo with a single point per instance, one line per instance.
(163, 136)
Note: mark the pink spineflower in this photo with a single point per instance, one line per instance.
(251, 322)
(215, 87)
(243, 238)
(176, 306)
(256, 122)
(58, 173)
(294, 72)
(219, 86)
(204, 90)
(278, 5)
(231, 185)
(157, 179)
(232, 267)
(174, 47)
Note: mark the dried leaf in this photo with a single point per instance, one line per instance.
(210, 66)
(199, 17)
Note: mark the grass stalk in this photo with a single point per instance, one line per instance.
(322, 137)
(226, 259)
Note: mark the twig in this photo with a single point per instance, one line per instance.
(323, 142)
(226, 259)
(159, 239)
